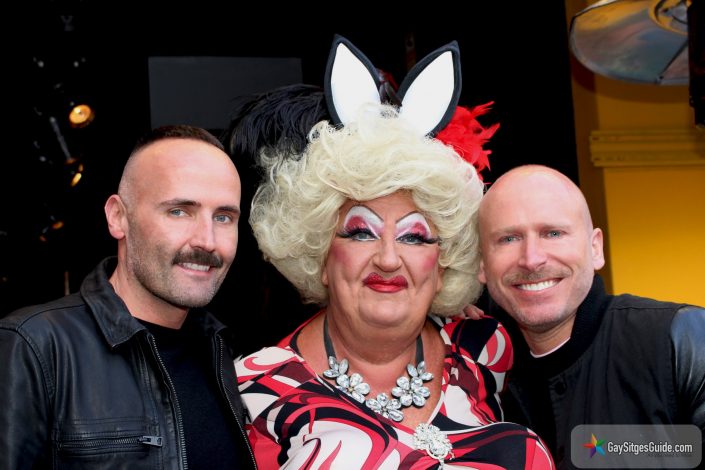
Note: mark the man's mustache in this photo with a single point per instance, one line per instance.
(199, 257)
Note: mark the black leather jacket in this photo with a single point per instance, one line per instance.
(83, 386)
(630, 360)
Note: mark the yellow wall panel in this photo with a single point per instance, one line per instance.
(656, 223)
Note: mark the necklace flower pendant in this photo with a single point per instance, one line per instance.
(409, 390)
(429, 438)
(413, 391)
(353, 385)
(335, 368)
(386, 407)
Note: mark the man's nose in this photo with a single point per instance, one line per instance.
(533, 254)
(203, 235)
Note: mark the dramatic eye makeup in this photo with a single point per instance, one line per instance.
(361, 223)
(413, 229)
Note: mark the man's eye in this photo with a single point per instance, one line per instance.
(177, 212)
(223, 219)
(508, 239)
(554, 233)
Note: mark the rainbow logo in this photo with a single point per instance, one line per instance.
(595, 446)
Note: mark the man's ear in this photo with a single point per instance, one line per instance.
(116, 215)
(481, 273)
(596, 246)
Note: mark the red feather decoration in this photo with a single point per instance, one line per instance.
(467, 136)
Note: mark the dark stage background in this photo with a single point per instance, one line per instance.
(138, 69)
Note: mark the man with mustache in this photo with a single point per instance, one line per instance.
(131, 372)
(582, 356)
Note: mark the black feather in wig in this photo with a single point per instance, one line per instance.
(278, 120)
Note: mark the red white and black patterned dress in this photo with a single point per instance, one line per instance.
(299, 420)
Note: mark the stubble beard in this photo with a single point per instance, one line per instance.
(153, 269)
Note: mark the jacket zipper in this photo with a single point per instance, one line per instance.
(177, 408)
(155, 441)
(221, 347)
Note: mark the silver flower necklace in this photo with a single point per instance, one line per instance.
(409, 390)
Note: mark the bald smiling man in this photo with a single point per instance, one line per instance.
(581, 356)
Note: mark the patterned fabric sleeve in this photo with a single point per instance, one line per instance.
(480, 356)
(257, 380)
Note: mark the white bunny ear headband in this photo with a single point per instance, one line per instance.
(429, 93)
(428, 97)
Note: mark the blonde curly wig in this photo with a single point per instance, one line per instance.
(295, 211)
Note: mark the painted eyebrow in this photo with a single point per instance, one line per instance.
(369, 209)
(380, 218)
(396, 222)
(410, 214)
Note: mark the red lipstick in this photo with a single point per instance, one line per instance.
(377, 283)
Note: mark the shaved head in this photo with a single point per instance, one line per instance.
(531, 177)
(133, 169)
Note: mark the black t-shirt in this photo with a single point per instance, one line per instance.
(210, 438)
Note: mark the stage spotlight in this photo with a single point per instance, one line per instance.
(642, 41)
(81, 115)
(659, 42)
(75, 171)
(74, 165)
(53, 226)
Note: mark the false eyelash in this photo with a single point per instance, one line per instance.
(355, 231)
(421, 238)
